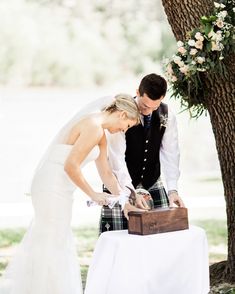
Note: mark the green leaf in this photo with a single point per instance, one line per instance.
(208, 28)
(213, 18)
(212, 64)
(204, 20)
(208, 46)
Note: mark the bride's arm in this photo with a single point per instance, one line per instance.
(79, 152)
(104, 169)
(110, 180)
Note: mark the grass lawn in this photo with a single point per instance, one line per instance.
(86, 238)
(216, 231)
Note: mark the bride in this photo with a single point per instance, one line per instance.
(46, 261)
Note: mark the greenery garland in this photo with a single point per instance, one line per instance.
(202, 52)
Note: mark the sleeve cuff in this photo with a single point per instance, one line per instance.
(125, 194)
(123, 200)
(172, 185)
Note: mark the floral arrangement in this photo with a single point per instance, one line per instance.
(202, 52)
(163, 120)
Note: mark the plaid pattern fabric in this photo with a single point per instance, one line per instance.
(114, 219)
(158, 194)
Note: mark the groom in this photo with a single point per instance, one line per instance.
(138, 156)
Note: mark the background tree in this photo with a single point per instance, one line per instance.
(96, 41)
(219, 100)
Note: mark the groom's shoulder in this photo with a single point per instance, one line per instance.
(163, 109)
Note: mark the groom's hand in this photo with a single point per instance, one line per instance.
(129, 207)
(174, 198)
(137, 199)
(141, 202)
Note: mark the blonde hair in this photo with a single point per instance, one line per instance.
(125, 102)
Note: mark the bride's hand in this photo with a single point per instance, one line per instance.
(129, 207)
(100, 198)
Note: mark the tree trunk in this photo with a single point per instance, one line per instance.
(221, 107)
(184, 16)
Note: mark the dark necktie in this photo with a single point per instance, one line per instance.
(147, 121)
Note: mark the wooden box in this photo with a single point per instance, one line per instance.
(158, 220)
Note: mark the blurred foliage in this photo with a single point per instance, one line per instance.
(86, 238)
(9, 237)
(216, 230)
(75, 42)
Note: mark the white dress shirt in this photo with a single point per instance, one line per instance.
(169, 155)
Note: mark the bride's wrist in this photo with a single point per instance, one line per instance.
(93, 195)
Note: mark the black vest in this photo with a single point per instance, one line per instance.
(142, 149)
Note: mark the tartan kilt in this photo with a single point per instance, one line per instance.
(114, 219)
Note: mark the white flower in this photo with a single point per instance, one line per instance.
(180, 44)
(193, 62)
(219, 23)
(182, 50)
(218, 36)
(198, 35)
(201, 69)
(222, 14)
(193, 51)
(216, 4)
(177, 59)
(184, 69)
(174, 78)
(191, 42)
(212, 35)
(169, 69)
(221, 46)
(233, 9)
(215, 46)
(200, 59)
(221, 57)
(198, 44)
(180, 63)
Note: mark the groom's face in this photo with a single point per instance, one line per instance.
(147, 105)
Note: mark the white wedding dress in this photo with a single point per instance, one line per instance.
(46, 261)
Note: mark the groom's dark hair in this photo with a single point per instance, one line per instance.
(154, 86)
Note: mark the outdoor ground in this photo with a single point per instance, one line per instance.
(86, 238)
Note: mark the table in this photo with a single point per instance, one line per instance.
(166, 263)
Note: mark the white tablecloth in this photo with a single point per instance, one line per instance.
(167, 263)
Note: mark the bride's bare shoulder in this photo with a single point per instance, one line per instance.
(89, 122)
(89, 125)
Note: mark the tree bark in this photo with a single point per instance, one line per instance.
(221, 107)
(184, 16)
